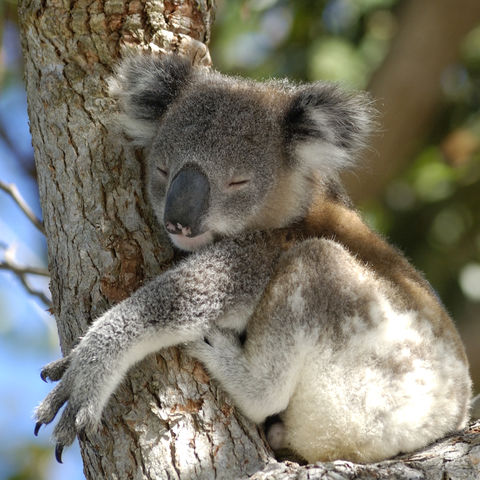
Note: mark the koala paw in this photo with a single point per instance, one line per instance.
(76, 390)
(275, 434)
(218, 346)
(216, 341)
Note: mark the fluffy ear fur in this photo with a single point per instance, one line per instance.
(146, 86)
(325, 125)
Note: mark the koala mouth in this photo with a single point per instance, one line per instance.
(178, 229)
(189, 244)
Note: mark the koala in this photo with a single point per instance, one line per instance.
(293, 304)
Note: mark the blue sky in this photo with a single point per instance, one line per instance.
(28, 337)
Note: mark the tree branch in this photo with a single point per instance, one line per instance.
(18, 199)
(19, 270)
(22, 272)
(456, 456)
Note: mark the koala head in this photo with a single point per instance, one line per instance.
(226, 155)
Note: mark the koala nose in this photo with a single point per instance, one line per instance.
(186, 202)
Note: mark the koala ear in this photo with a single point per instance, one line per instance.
(146, 85)
(325, 126)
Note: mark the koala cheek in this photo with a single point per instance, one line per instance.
(157, 201)
(156, 189)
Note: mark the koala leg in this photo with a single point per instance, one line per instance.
(323, 349)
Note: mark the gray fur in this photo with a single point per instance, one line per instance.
(343, 338)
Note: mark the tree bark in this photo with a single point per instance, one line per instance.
(166, 420)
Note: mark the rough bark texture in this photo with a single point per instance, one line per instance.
(407, 86)
(166, 420)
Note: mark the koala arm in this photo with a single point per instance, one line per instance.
(176, 307)
(261, 374)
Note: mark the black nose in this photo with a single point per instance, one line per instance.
(186, 202)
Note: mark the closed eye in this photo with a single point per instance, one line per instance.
(163, 172)
(238, 183)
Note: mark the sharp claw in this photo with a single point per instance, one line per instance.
(37, 428)
(43, 376)
(58, 452)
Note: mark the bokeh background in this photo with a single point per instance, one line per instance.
(419, 183)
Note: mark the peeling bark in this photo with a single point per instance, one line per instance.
(167, 420)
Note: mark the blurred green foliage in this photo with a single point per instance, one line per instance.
(340, 40)
(432, 209)
(32, 462)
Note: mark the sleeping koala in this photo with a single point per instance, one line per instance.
(341, 336)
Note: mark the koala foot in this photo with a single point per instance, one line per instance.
(275, 432)
(83, 409)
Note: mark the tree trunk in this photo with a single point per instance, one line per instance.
(166, 420)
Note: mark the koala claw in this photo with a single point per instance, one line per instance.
(58, 452)
(71, 423)
(37, 428)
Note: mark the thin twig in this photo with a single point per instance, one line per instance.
(21, 157)
(18, 199)
(22, 272)
(35, 293)
(17, 269)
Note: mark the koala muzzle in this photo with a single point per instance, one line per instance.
(186, 202)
